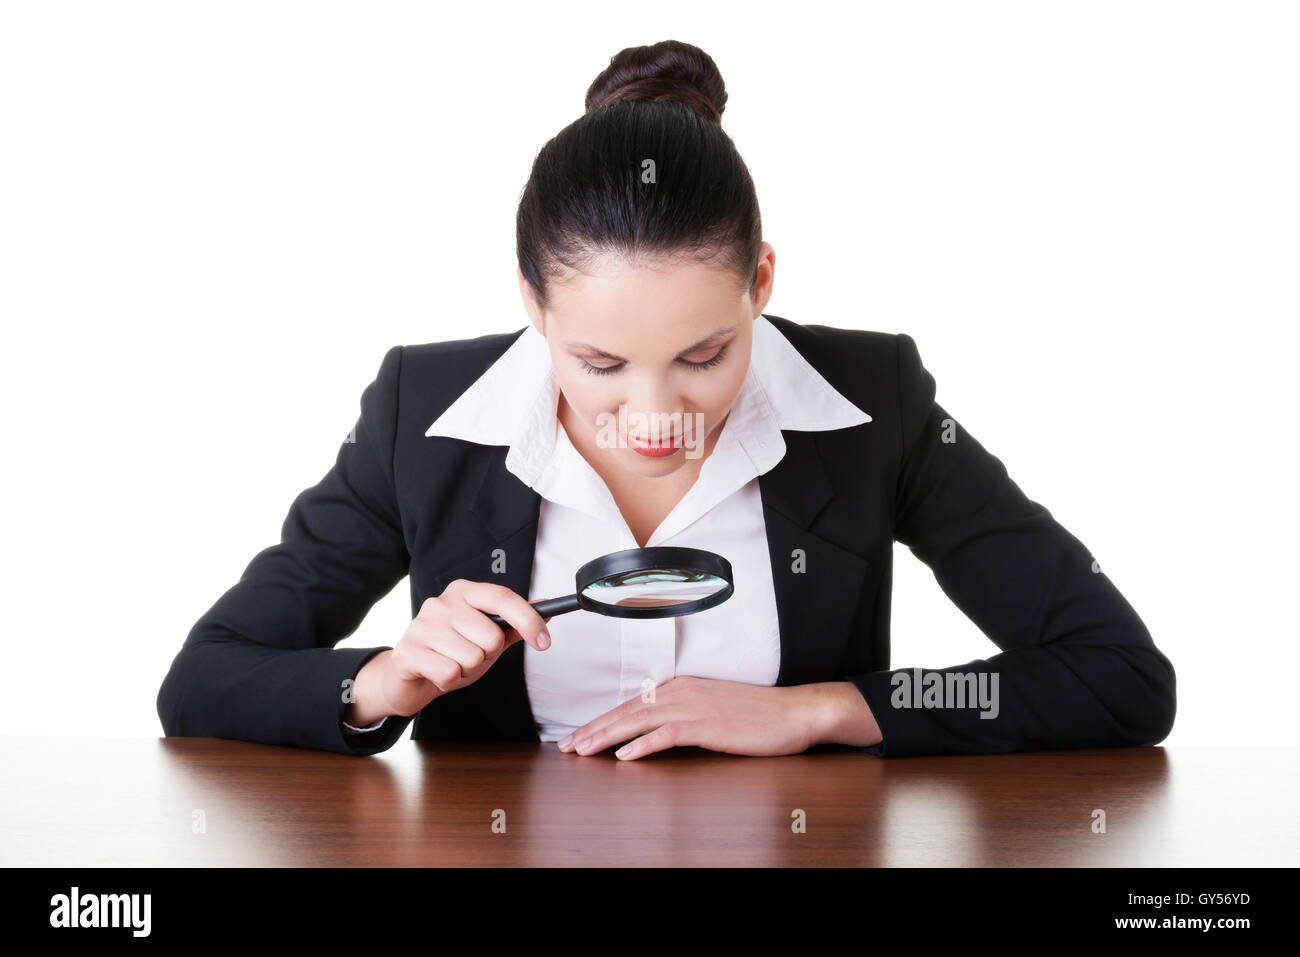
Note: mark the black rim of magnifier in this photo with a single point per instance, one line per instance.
(659, 556)
(631, 559)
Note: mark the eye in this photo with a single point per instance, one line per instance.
(607, 370)
(717, 357)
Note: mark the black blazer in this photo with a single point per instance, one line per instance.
(1078, 667)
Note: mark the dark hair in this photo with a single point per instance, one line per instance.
(586, 196)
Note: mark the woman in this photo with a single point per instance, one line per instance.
(651, 402)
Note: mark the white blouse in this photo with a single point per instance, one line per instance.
(596, 662)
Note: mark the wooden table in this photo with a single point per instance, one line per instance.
(109, 802)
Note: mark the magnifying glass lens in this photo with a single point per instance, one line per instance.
(654, 587)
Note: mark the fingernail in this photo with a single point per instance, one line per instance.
(565, 741)
(544, 638)
(584, 744)
(623, 751)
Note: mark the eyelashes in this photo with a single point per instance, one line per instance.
(609, 370)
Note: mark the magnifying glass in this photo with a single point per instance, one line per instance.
(659, 582)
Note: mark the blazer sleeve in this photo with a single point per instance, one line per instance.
(1078, 668)
(261, 665)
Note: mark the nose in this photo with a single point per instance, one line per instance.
(656, 400)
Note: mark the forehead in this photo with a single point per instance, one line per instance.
(617, 297)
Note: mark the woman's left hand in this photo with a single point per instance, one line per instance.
(728, 716)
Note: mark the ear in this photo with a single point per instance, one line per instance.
(535, 314)
(766, 278)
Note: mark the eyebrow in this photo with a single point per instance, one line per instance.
(703, 343)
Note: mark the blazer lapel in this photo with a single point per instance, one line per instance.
(818, 584)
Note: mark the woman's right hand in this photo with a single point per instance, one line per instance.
(450, 644)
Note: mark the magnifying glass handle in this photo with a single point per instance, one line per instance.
(547, 609)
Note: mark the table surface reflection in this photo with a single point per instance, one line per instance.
(90, 802)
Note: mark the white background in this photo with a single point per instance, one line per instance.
(216, 218)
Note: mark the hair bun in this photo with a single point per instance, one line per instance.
(668, 70)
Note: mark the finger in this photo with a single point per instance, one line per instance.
(464, 648)
(499, 600)
(481, 630)
(513, 635)
(602, 721)
(660, 739)
(476, 626)
(419, 661)
(622, 729)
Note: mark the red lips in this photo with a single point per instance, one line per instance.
(665, 446)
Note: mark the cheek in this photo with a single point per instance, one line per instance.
(720, 392)
(587, 395)
(715, 396)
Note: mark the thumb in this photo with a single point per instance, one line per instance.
(512, 634)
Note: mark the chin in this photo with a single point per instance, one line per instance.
(652, 467)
